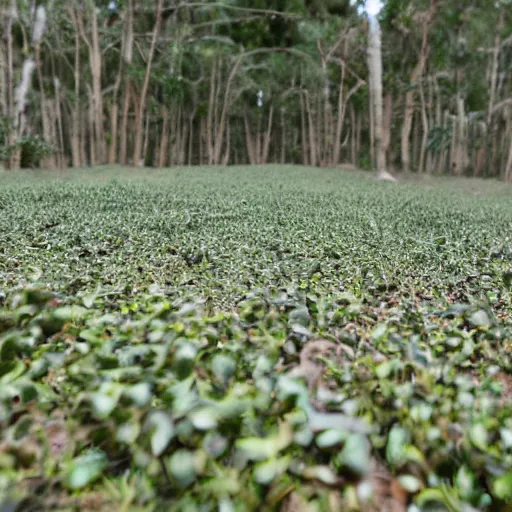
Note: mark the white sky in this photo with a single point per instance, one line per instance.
(373, 7)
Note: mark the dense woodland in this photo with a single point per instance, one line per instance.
(182, 82)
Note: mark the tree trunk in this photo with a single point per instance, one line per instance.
(339, 121)
(11, 137)
(508, 168)
(76, 154)
(266, 142)
(305, 153)
(138, 143)
(249, 143)
(283, 138)
(388, 116)
(415, 76)
(375, 66)
(48, 162)
(145, 144)
(92, 129)
(313, 149)
(125, 60)
(425, 131)
(164, 139)
(95, 58)
(123, 143)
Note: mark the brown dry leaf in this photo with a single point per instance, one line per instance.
(57, 437)
(388, 495)
(312, 368)
(296, 503)
(335, 501)
(505, 381)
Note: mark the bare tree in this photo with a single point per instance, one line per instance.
(375, 69)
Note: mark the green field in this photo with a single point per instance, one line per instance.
(254, 339)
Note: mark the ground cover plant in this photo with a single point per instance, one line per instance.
(272, 338)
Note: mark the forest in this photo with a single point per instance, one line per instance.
(165, 83)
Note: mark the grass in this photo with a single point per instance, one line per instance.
(302, 333)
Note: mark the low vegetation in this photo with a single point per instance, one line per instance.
(273, 338)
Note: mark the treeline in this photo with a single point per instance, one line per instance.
(183, 82)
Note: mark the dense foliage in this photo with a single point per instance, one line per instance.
(269, 338)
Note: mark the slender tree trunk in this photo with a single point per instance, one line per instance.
(508, 168)
(11, 137)
(313, 149)
(164, 139)
(126, 59)
(371, 113)
(212, 106)
(425, 131)
(339, 121)
(225, 159)
(61, 156)
(191, 138)
(305, 153)
(359, 131)
(82, 114)
(92, 129)
(283, 138)
(388, 115)
(76, 155)
(49, 161)
(123, 143)
(139, 127)
(203, 136)
(3, 81)
(353, 136)
(266, 143)
(375, 65)
(145, 144)
(249, 143)
(415, 76)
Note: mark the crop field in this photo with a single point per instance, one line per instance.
(254, 339)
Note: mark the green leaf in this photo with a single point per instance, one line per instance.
(502, 487)
(214, 444)
(184, 467)
(506, 437)
(103, 404)
(223, 367)
(410, 483)
(356, 454)
(480, 319)
(466, 482)
(479, 436)
(379, 332)
(430, 496)
(184, 360)
(322, 473)
(256, 448)
(266, 472)
(387, 368)
(140, 394)
(204, 419)
(226, 505)
(162, 428)
(85, 469)
(69, 313)
(128, 432)
(396, 447)
(331, 438)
